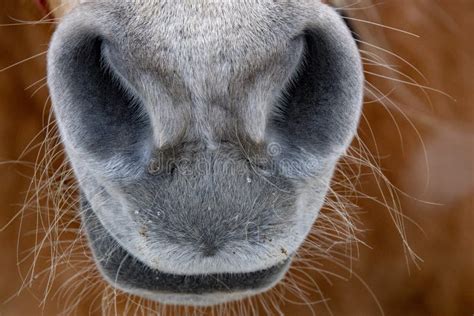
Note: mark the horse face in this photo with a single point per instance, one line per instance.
(203, 136)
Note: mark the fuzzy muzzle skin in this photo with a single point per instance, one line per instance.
(124, 271)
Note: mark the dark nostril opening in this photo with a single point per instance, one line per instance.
(97, 111)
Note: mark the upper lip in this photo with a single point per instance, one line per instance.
(123, 270)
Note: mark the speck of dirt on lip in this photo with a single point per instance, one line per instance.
(143, 231)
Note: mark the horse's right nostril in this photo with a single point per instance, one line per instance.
(96, 112)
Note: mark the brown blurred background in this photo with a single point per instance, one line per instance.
(402, 126)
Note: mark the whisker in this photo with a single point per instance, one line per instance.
(23, 61)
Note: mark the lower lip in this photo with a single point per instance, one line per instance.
(206, 298)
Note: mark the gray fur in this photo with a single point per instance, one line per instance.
(204, 135)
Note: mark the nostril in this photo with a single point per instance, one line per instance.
(97, 113)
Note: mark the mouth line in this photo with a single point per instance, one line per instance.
(128, 273)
